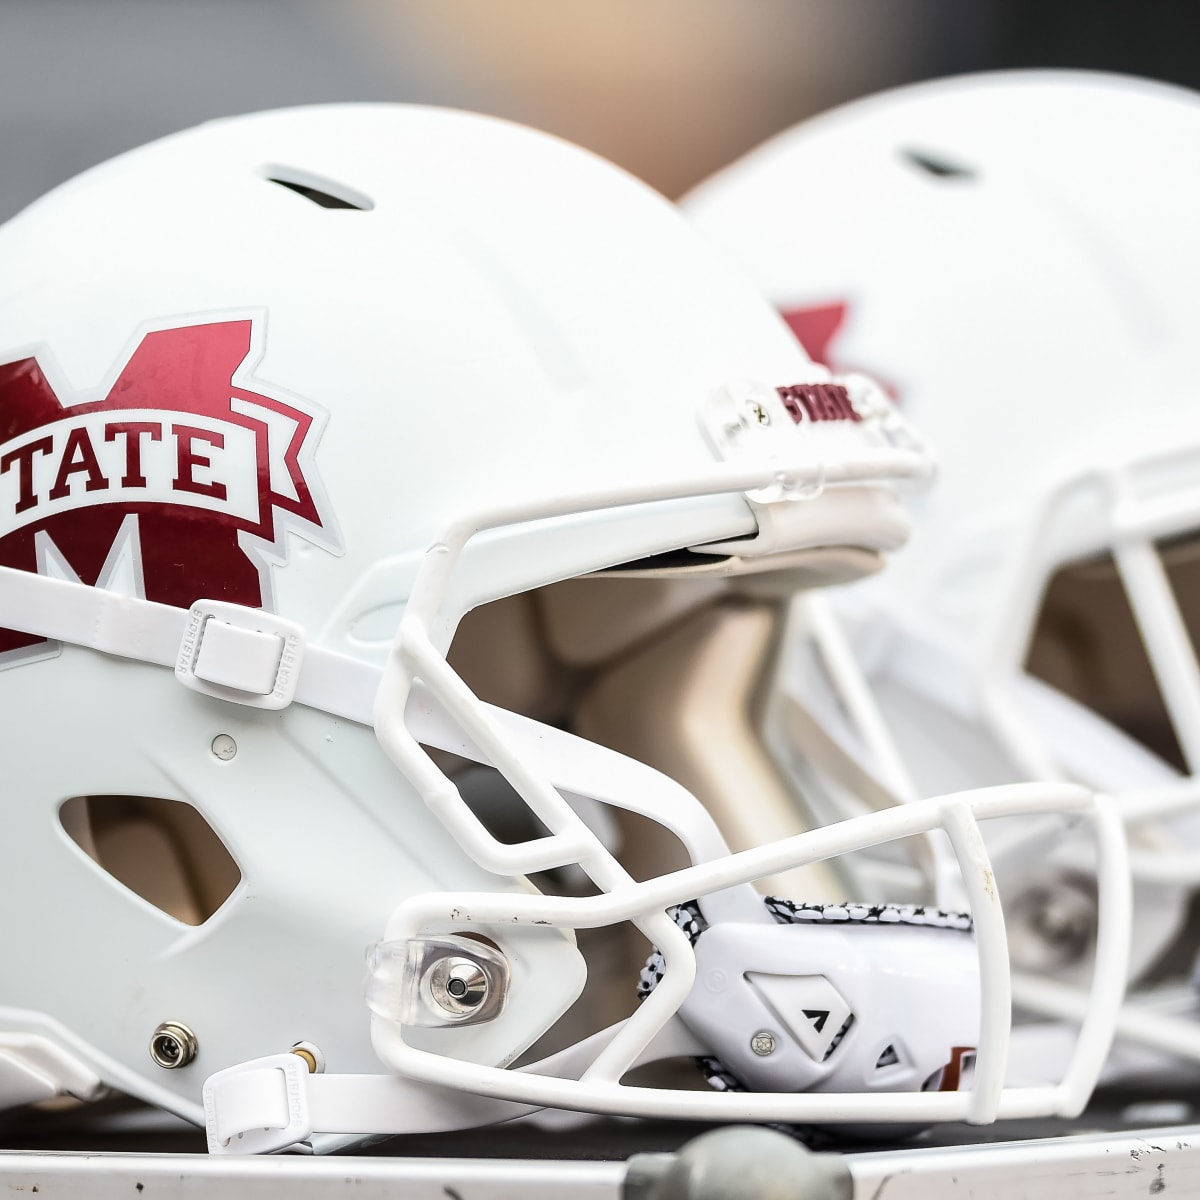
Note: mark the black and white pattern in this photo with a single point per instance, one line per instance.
(788, 912)
(689, 919)
(718, 1077)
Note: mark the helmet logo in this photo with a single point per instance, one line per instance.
(818, 402)
(179, 483)
(815, 328)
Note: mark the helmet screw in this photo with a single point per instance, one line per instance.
(759, 413)
(173, 1045)
(224, 747)
(763, 1043)
(458, 985)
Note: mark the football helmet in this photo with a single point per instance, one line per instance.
(1011, 253)
(284, 399)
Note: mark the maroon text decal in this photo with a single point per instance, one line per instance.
(178, 485)
(818, 402)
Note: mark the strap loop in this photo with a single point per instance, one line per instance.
(243, 654)
(258, 1107)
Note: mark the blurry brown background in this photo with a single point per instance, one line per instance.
(671, 89)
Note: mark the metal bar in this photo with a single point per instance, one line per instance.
(85, 1176)
(1078, 1167)
(1140, 1163)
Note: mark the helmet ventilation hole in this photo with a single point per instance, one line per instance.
(327, 193)
(936, 165)
(161, 850)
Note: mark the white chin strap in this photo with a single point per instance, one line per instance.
(248, 656)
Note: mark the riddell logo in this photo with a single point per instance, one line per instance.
(179, 484)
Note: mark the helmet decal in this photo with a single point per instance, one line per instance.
(180, 483)
(818, 402)
(816, 327)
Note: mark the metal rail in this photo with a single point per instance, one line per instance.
(727, 1164)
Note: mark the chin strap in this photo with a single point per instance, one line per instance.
(245, 655)
(275, 1103)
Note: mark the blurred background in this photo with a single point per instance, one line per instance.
(670, 89)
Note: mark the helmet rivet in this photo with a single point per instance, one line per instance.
(763, 1043)
(224, 747)
(458, 985)
(311, 1056)
(173, 1045)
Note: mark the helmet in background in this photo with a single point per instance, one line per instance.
(1012, 255)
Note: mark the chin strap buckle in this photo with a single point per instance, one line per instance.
(241, 654)
(258, 1107)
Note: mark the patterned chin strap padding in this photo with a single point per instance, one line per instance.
(786, 912)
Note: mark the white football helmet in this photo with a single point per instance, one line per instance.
(1013, 255)
(282, 399)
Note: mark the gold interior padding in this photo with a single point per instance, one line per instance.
(685, 704)
(162, 850)
(592, 621)
(667, 670)
(1087, 645)
(500, 651)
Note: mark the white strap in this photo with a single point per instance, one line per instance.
(87, 616)
(150, 632)
(272, 1103)
(266, 1097)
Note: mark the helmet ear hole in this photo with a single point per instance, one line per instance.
(161, 850)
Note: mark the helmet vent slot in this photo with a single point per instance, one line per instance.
(326, 193)
(161, 850)
(936, 165)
